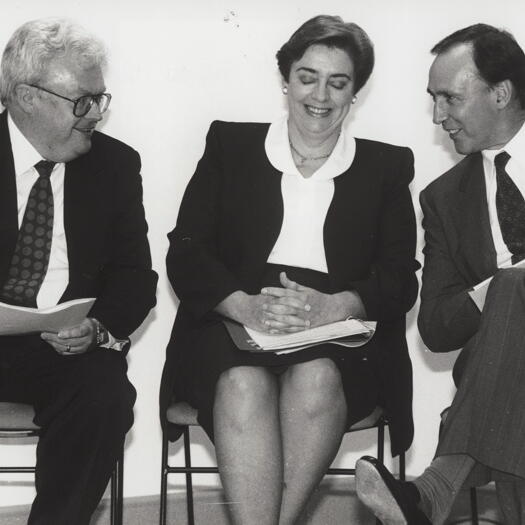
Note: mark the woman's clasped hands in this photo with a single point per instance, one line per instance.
(290, 308)
(294, 307)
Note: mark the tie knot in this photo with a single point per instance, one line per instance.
(501, 159)
(44, 168)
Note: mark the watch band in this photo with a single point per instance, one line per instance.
(104, 339)
(102, 335)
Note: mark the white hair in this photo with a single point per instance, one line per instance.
(36, 43)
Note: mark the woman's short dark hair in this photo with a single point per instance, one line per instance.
(330, 31)
(495, 52)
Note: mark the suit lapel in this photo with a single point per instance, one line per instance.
(476, 242)
(8, 199)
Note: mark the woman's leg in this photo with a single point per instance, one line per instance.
(313, 418)
(248, 444)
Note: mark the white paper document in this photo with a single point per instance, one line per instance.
(18, 320)
(479, 292)
(349, 333)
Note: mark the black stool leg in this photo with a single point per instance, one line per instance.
(189, 482)
(164, 479)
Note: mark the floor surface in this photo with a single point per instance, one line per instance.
(334, 503)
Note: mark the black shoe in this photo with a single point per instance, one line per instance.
(393, 502)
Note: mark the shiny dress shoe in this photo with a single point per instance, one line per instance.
(393, 502)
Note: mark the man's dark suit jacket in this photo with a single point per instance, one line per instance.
(459, 253)
(107, 247)
(231, 216)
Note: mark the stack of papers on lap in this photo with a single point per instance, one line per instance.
(18, 320)
(350, 333)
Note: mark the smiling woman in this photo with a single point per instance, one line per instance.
(323, 65)
(320, 91)
(283, 227)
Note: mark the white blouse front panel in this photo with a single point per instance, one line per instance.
(306, 200)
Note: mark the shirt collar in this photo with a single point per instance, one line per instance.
(25, 156)
(515, 147)
(278, 151)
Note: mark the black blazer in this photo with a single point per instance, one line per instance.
(105, 227)
(459, 253)
(231, 216)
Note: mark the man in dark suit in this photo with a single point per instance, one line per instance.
(474, 219)
(71, 226)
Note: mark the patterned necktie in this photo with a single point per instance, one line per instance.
(33, 246)
(511, 209)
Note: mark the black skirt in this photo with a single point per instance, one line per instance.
(215, 352)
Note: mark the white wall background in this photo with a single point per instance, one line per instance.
(177, 65)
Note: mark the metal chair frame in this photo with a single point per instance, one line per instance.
(117, 476)
(474, 515)
(188, 469)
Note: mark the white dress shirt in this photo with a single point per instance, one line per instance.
(306, 200)
(25, 157)
(516, 170)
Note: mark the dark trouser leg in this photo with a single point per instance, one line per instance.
(511, 498)
(486, 420)
(84, 406)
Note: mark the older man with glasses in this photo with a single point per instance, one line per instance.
(71, 226)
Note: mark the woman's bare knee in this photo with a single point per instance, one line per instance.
(243, 393)
(317, 385)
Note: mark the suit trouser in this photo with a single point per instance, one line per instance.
(84, 405)
(487, 416)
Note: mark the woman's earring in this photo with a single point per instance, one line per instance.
(354, 100)
(285, 90)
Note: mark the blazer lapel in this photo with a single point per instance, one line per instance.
(476, 242)
(8, 200)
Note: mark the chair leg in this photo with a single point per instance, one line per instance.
(164, 479)
(402, 476)
(474, 506)
(117, 493)
(380, 448)
(189, 481)
(381, 441)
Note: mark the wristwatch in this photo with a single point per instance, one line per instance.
(102, 335)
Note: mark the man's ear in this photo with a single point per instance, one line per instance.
(24, 95)
(503, 92)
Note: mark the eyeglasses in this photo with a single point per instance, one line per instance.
(83, 104)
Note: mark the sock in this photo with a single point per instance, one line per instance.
(440, 484)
